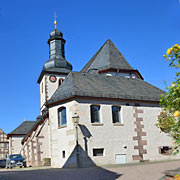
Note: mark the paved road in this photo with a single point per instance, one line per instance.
(147, 171)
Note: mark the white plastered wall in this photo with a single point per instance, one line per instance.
(16, 144)
(106, 135)
(47, 88)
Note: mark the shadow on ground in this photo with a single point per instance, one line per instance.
(91, 173)
(170, 174)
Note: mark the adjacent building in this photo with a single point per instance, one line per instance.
(16, 136)
(4, 150)
(117, 112)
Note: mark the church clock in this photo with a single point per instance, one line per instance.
(52, 78)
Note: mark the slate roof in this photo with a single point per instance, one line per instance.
(23, 128)
(108, 56)
(94, 85)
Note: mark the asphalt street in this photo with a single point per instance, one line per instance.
(142, 171)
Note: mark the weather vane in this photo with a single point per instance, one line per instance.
(55, 22)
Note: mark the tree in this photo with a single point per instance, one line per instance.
(169, 118)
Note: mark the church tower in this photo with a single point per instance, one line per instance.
(55, 69)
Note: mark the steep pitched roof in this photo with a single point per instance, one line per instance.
(108, 56)
(2, 132)
(94, 85)
(23, 128)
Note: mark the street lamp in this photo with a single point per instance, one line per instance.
(75, 120)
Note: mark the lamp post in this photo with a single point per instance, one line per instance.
(75, 120)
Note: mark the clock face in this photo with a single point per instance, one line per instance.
(52, 78)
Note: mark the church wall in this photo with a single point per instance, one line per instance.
(139, 147)
(155, 138)
(137, 138)
(62, 138)
(113, 138)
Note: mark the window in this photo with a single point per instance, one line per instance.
(63, 154)
(62, 116)
(95, 114)
(136, 104)
(165, 150)
(98, 152)
(116, 114)
(6, 146)
(60, 81)
(42, 88)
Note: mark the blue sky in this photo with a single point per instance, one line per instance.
(141, 30)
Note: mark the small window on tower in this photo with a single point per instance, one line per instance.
(42, 87)
(61, 81)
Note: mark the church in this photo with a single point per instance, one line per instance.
(104, 114)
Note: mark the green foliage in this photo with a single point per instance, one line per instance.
(169, 118)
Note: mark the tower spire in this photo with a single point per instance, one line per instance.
(55, 22)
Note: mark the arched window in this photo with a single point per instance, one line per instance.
(116, 114)
(62, 117)
(95, 117)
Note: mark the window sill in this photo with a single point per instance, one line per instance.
(168, 154)
(63, 126)
(96, 124)
(118, 124)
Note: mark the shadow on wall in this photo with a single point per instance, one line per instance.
(90, 170)
(79, 157)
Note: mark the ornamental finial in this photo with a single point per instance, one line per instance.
(55, 22)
